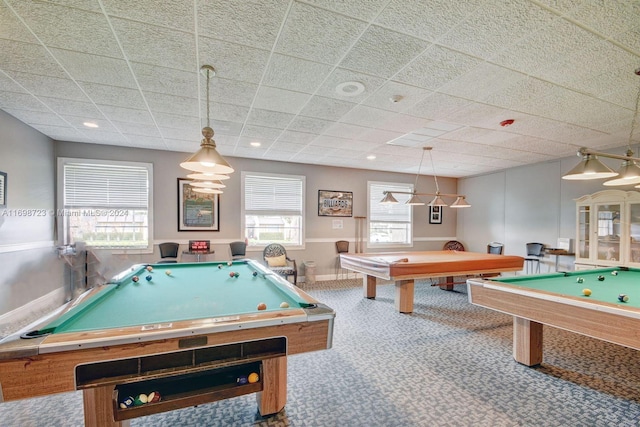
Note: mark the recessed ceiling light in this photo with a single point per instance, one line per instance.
(90, 124)
(371, 157)
(255, 144)
(350, 88)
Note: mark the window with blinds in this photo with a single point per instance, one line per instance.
(106, 204)
(389, 224)
(273, 208)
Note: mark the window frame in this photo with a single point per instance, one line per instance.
(243, 210)
(61, 225)
(397, 186)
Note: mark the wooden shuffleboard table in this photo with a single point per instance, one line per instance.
(405, 267)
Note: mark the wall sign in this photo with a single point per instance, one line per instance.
(335, 203)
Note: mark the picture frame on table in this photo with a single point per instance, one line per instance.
(197, 211)
(3, 189)
(335, 203)
(435, 214)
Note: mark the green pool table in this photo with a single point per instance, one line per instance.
(559, 300)
(192, 332)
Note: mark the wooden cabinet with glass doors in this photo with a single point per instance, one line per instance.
(608, 229)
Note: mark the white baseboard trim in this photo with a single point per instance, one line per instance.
(55, 297)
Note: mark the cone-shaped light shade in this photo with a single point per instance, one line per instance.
(207, 184)
(388, 199)
(460, 202)
(207, 159)
(590, 168)
(207, 190)
(208, 176)
(414, 201)
(437, 201)
(628, 174)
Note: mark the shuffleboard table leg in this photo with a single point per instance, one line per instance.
(404, 296)
(98, 408)
(527, 341)
(273, 396)
(369, 286)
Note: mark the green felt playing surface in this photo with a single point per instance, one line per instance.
(191, 291)
(627, 281)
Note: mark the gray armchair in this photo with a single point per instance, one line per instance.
(276, 258)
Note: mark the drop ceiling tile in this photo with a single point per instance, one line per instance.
(21, 101)
(104, 137)
(49, 86)
(194, 134)
(150, 44)
(630, 39)
(318, 35)
(330, 141)
(364, 10)
(330, 87)
(137, 129)
(478, 135)
(408, 97)
(165, 103)
(366, 116)
(95, 69)
(17, 56)
(608, 18)
(309, 124)
(178, 14)
(300, 75)
(297, 137)
(345, 130)
(520, 92)
(114, 96)
(382, 52)
(69, 28)
(227, 112)
(288, 147)
(233, 61)
(261, 133)
(479, 115)
(227, 128)
(402, 123)
(380, 136)
(60, 133)
(145, 141)
(268, 118)
(437, 106)
(278, 155)
(12, 29)
(104, 125)
(315, 150)
(231, 92)
(436, 67)
(482, 82)
(246, 143)
(250, 152)
(427, 20)
(326, 108)
(175, 121)
(37, 117)
(129, 115)
(281, 100)
(73, 108)
(166, 80)
(494, 27)
(251, 23)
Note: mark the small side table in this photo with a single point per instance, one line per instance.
(197, 253)
(558, 253)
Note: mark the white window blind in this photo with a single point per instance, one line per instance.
(272, 195)
(399, 212)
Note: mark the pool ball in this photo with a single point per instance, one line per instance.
(127, 402)
(140, 399)
(284, 304)
(579, 280)
(236, 274)
(623, 298)
(242, 379)
(253, 378)
(219, 266)
(262, 306)
(149, 277)
(168, 272)
(586, 292)
(601, 278)
(230, 263)
(154, 397)
(255, 273)
(232, 274)
(149, 268)
(135, 278)
(614, 273)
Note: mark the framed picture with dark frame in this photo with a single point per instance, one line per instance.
(335, 203)
(197, 211)
(3, 189)
(435, 214)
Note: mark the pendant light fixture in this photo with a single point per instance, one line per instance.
(207, 159)
(591, 168)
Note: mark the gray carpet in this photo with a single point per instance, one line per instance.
(447, 364)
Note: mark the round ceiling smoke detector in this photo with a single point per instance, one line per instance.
(350, 88)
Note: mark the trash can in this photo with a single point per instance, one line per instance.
(309, 272)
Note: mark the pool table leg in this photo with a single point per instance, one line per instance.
(404, 295)
(273, 396)
(527, 341)
(98, 408)
(369, 286)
